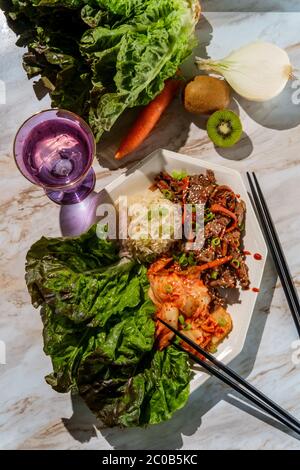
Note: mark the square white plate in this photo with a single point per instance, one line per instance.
(141, 177)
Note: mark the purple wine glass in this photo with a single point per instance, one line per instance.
(55, 149)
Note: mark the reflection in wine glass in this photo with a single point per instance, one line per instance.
(55, 149)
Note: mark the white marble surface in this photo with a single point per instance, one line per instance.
(32, 415)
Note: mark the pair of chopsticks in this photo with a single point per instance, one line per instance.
(276, 249)
(236, 382)
(225, 373)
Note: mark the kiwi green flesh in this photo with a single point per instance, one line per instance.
(223, 131)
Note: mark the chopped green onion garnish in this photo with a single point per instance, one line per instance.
(214, 275)
(181, 319)
(149, 258)
(222, 322)
(235, 263)
(216, 241)
(188, 327)
(179, 175)
(163, 211)
(168, 289)
(185, 260)
(209, 216)
(168, 194)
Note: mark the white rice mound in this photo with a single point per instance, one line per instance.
(150, 219)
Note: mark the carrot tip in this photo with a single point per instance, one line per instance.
(118, 156)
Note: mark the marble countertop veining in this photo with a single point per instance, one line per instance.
(32, 415)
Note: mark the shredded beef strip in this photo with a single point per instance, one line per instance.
(176, 188)
(216, 227)
(227, 280)
(224, 196)
(240, 210)
(201, 187)
(233, 239)
(243, 275)
(216, 298)
(205, 255)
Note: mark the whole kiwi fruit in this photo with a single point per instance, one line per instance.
(205, 94)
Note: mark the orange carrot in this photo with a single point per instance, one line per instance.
(147, 119)
(222, 210)
(214, 264)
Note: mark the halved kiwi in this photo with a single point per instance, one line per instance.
(224, 128)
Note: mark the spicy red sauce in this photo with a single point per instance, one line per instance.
(257, 256)
(255, 289)
(247, 253)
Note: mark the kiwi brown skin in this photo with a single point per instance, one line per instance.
(205, 95)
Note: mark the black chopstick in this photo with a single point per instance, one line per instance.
(276, 250)
(238, 383)
(280, 252)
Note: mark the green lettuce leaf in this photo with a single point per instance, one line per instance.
(99, 331)
(63, 341)
(149, 396)
(99, 57)
(52, 262)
